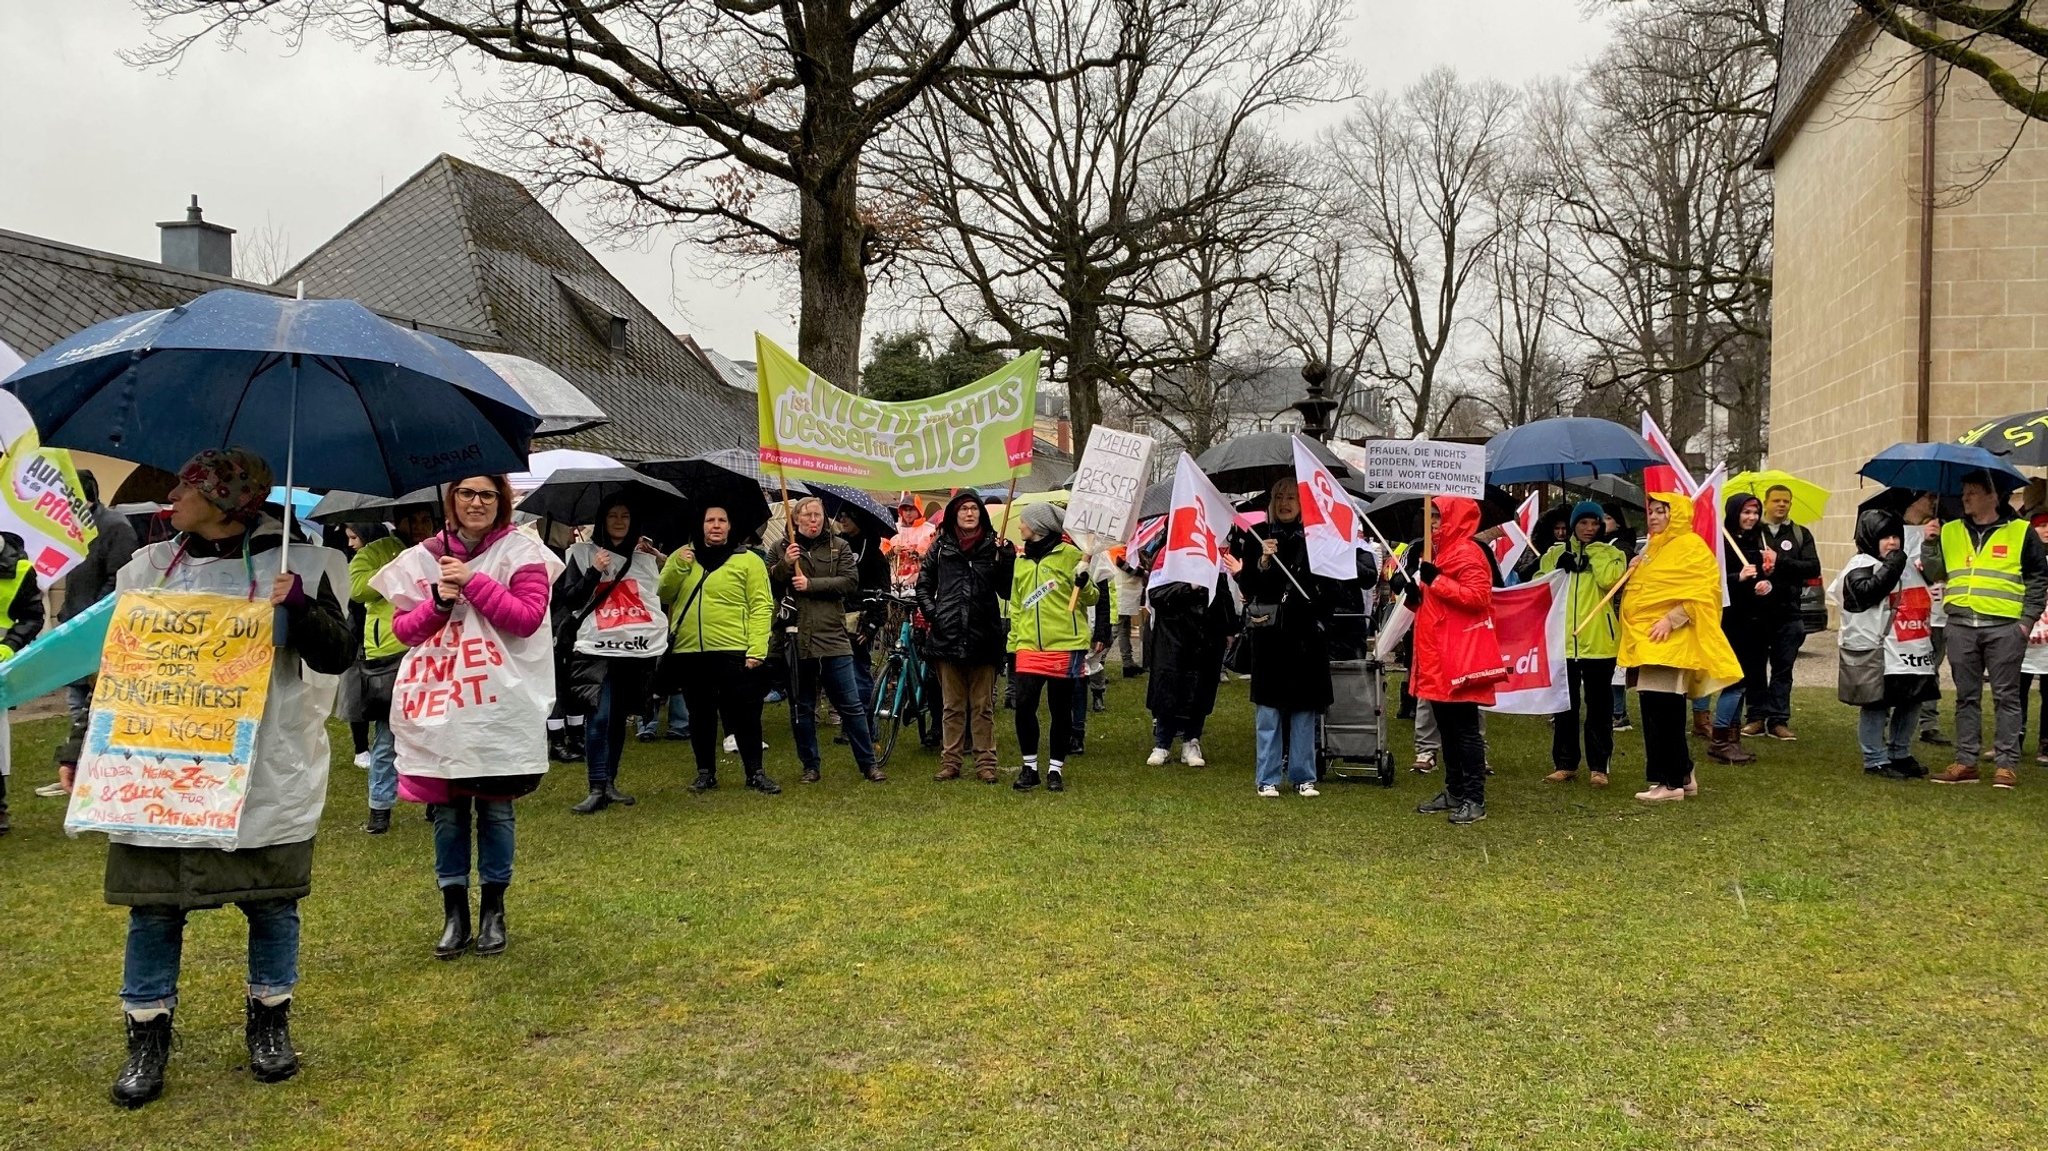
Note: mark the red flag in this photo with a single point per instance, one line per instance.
(1195, 530)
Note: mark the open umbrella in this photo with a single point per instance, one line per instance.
(1809, 500)
(1938, 468)
(576, 495)
(2021, 440)
(1010, 518)
(541, 465)
(874, 519)
(357, 508)
(1399, 514)
(1255, 462)
(720, 479)
(562, 407)
(1566, 448)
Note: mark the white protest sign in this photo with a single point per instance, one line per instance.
(1109, 483)
(1428, 467)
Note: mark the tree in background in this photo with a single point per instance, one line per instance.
(902, 366)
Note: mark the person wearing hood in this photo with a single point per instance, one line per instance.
(720, 611)
(960, 590)
(1458, 660)
(21, 620)
(1743, 621)
(614, 632)
(1051, 592)
(817, 568)
(1671, 641)
(1290, 655)
(226, 545)
(1591, 568)
(1190, 629)
(1887, 651)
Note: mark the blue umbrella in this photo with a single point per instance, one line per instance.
(873, 518)
(341, 397)
(1566, 448)
(1938, 468)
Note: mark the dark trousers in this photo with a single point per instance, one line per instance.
(1751, 639)
(606, 737)
(1590, 681)
(718, 688)
(1772, 701)
(1666, 721)
(1059, 691)
(1464, 750)
(2040, 735)
(1930, 711)
(359, 736)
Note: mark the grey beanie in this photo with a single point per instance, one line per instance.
(1047, 519)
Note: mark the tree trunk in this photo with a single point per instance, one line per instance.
(1084, 369)
(835, 283)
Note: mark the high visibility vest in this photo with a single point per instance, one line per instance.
(1988, 582)
(10, 586)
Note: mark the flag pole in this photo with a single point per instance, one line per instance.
(1604, 601)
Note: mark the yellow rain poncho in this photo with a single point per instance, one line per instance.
(1678, 572)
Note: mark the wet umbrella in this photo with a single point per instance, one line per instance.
(1938, 468)
(729, 478)
(1566, 448)
(1399, 514)
(577, 495)
(561, 406)
(357, 508)
(2020, 440)
(1257, 461)
(874, 519)
(1809, 500)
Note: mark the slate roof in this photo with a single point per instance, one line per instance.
(1817, 36)
(462, 245)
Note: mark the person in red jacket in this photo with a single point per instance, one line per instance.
(1457, 657)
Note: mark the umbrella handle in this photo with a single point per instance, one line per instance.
(280, 616)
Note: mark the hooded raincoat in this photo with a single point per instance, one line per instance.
(1678, 579)
(1456, 616)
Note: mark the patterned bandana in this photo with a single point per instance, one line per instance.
(235, 480)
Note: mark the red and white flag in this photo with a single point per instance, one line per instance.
(1706, 521)
(1529, 622)
(1515, 535)
(1651, 432)
(1335, 530)
(1196, 529)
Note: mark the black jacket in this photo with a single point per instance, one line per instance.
(1798, 561)
(1290, 660)
(1186, 634)
(870, 565)
(93, 579)
(960, 592)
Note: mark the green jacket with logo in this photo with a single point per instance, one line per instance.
(379, 641)
(1047, 624)
(734, 612)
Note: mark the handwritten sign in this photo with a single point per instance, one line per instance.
(1110, 483)
(183, 680)
(1428, 467)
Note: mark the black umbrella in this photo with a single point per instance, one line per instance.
(1254, 462)
(1399, 514)
(875, 520)
(357, 508)
(2018, 439)
(577, 495)
(717, 480)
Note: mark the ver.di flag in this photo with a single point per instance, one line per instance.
(979, 434)
(1529, 622)
(1196, 529)
(1514, 535)
(1333, 527)
(41, 499)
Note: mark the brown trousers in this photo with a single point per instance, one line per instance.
(965, 688)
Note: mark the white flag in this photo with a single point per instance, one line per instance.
(1515, 536)
(1672, 459)
(1195, 531)
(1333, 527)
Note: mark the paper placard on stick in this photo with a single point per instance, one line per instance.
(1427, 467)
(183, 680)
(1109, 483)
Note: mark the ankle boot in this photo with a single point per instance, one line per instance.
(455, 925)
(269, 1033)
(595, 802)
(1726, 747)
(558, 745)
(759, 781)
(380, 821)
(490, 925)
(612, 793)
(707, 779)
(572, 743)
(141, 1079)
(1702, 724)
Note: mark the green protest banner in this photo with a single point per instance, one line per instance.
(979, 434)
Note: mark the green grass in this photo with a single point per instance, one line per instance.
(1802, 958)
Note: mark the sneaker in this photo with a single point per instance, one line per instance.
(1957, 773)
(51, 790)
(2005, 778)
(1269, 792)
(362, 760)
(1158, 757)
(1623, 724)
(1425, 762)
(1780, 732)
(1754, 727)
(1055, 779)
(1306, 790)
(1191, 754)
(1470, 811)
(1599, 779)
(1561, 776)
(1438, 806)
(1658, 793)
(1027, 778)
(1907, 768)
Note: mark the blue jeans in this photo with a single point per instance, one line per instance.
(156, 944)
(678, 718)
(1300, 751)
(494, 840)
(605, 735)
(1620, 704)
(1884, 741)
(835, 674)
(383, 767)
(864, 673)
(1728, 712)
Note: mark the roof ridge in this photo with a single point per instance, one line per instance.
(153, 266)
(438, 161)
(456, 171)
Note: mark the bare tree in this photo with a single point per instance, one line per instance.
(262, 256)
(2005, 44)
(1522, 356)
(747, 118)
(1330, 312)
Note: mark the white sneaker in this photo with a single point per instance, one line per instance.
(1158, 757)
(1191, 754)
(1269, 792)
(1306, 790)
(363, 759)
(51, 790)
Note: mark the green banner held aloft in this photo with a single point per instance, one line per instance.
(979, 434)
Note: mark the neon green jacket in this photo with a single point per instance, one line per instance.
(734, 612)
(379, 641)
(1041, 621)
(1601, 639)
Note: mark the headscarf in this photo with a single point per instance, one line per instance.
(1678, 571)
(1749, 539)
(713, 557)
(601, 535)
(235, 480)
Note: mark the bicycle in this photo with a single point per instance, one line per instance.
(900, 690)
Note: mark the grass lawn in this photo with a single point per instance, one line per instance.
(1803, 957)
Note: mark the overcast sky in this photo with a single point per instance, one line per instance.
(94, 153)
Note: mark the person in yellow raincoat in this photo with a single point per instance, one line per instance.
(1671, 641)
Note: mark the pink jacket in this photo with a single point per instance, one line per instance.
(518, 608)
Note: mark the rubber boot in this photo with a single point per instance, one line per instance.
(490, 924)
(268, 1030)
(141, 1079)
(455, 935)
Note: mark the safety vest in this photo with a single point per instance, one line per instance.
(1988, 582)
(10, 586)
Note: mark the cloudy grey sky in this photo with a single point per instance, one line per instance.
(94, 153)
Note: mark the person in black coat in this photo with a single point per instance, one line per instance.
(1741, 623)
(871, 566)
(961, 585)
(1290, 658)
(1788, 561)
(1189, 632)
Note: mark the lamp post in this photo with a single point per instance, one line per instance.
(1315, 407)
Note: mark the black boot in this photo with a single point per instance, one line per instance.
(455, 927)
(612, 793)
(269, 1032)
(558, 745)
(490, 924)
(1442, 803)
(572, 742)
(707, 779)
(595, 802)
(759, 781)
(149, 1049)
(380, 821)
(1099, 700)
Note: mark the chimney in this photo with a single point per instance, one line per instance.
(193, 245)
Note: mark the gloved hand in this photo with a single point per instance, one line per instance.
(1399, 583)
(1428, 571)
(1081, 577)
(1414, 597)
(1570, 561)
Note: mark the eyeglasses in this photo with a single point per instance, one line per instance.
(471, 496)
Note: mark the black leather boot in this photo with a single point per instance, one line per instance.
(455, 927)
(490, 922)
(759, 781)
(1026, 778)
(149, 1048)
(269, 1032)
(572, 743)
(380, 821)
(556, 749)
(596, 801)
(706, 780)
(612, 793)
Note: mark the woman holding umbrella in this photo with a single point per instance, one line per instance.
(616, 631)
(720, 609)
(226, 545)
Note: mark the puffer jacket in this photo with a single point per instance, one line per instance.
(831, 579)
(1458, 600)
(961, 592)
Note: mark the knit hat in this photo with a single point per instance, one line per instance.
(235, 480)
(1587, 510)
(1047, 519)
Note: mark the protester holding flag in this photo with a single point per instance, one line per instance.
(1887, 654)
(1190, 631)
(960, 590)
(1458, 659)
(1743, 622)
(1671, 640)
(1788, 560)
(1050, 594)
(820, 573)
(720, 612)
(1592, 569)
(1286, 617)
(610, 641)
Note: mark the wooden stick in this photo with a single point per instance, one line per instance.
(1009, 501)
(788, 520)
(1428, 529)
(1604, 601)
(1735, 547)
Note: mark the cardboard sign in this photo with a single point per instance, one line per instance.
(183, 680)
(1429, 467)
(1110, 483)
